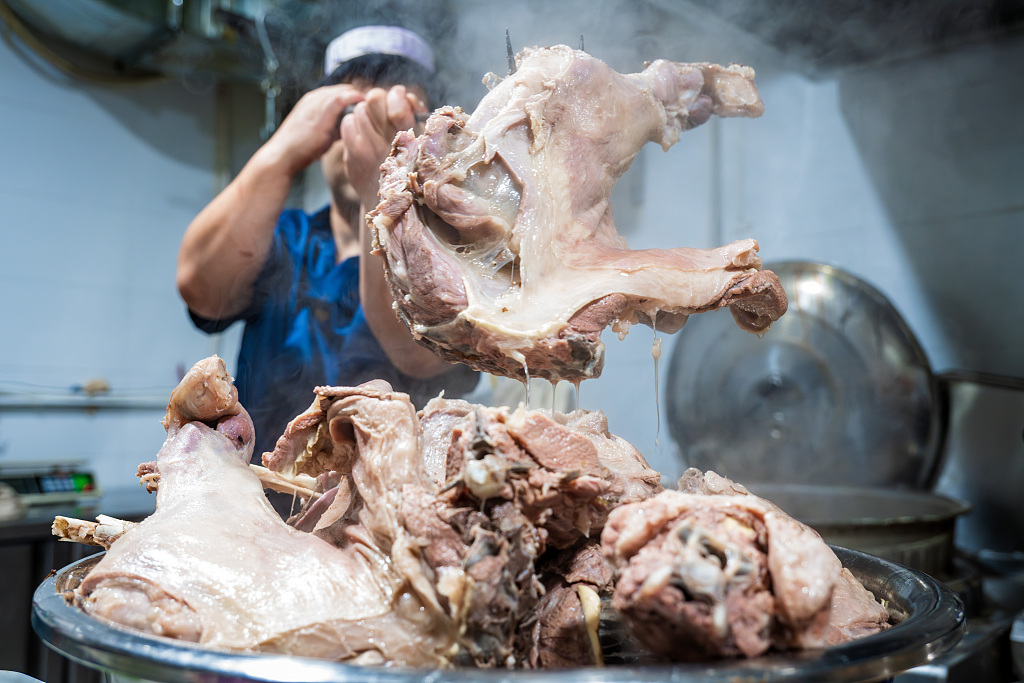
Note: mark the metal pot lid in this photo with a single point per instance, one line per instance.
(838, 391)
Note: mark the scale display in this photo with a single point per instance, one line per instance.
(50, 484)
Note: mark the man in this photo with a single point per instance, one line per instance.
(315, 303)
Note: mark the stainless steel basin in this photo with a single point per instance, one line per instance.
(929, 619)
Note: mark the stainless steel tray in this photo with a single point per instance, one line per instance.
(930, 621)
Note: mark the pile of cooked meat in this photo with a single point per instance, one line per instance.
(468, 535)
(497, 228)
(458, 535)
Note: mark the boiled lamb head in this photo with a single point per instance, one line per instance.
(216, 565)
(497, 228)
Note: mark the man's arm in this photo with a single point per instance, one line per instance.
(368, 134)
(226, 244)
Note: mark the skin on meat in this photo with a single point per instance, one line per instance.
(216, 565)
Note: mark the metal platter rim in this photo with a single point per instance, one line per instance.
(934, 624)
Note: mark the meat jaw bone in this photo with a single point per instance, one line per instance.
(497, 228)
(727, 573)
(215, 564)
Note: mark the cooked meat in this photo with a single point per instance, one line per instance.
(854, 611)
(206, 393)
(504, 493)
(565, 472)
(215, 564)
(101, 533)
(713, 571)
(560, 637)
(566, 632)
(459, 535)
(497, 228)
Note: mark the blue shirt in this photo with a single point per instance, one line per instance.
(305, 327)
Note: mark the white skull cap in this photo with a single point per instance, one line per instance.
(371, 40)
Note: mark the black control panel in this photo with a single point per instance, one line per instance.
(51, 486)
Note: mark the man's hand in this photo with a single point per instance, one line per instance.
(368, 132)
(311, 127)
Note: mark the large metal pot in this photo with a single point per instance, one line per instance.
(913, 528)
(983, 463)
(929, 621)
(983, 460)
(837, 391)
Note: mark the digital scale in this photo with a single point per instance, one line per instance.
(48, 483)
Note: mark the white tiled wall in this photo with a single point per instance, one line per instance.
(97, 184)
(909, 175)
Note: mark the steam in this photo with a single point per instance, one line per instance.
(298, 33)
(622, 33)
(469, 36)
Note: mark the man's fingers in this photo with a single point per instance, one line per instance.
(377, 109)
(358, 134)
(416, 104)
(349, 132)
(343, 93)
(335, 99)
(365, 149)
(400, 112)
(420, 112)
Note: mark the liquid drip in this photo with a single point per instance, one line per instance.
(554, 391)
(656, 354)
(526, 370)
(577, 383)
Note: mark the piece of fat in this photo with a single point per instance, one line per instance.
(590, 601)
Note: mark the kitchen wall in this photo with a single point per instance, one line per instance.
(97, 184)
(910, 175)
(907, 174)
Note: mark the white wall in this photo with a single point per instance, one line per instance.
(97, 185)
(908, 175)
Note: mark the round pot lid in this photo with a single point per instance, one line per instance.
(838, 391)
